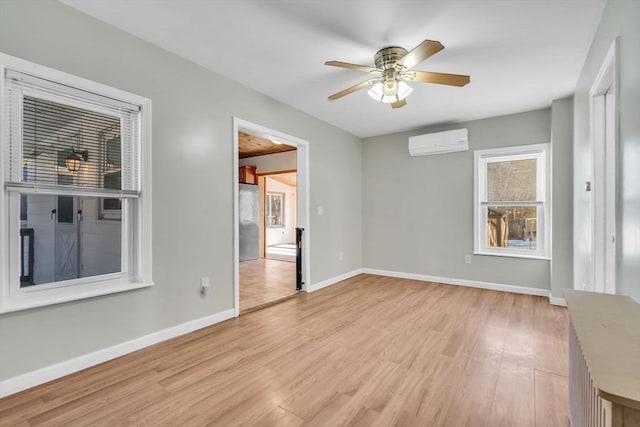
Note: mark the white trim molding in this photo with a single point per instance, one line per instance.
(136, 233)
(303, 208)
(334, 280)
(460, 282)
(541, 153)
(49, 373)
(559, 301)
(604, 122)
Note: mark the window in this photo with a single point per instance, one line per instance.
(512, 209)
(74, 153)
(111, 208)
(274, 209)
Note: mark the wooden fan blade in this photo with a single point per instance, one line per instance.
(421, 52)
(438, 78)
(340, 64)
(353, 89)
(399, 104)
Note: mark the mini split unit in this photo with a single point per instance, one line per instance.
(439, 142)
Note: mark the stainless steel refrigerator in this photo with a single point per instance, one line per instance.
(248, 213)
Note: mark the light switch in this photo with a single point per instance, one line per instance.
(320, 210)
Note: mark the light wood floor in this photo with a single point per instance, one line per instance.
(264, 281)
(369, 351)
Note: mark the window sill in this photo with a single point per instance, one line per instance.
(513, 255)
(46, 297)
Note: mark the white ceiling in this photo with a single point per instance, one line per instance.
(521, 54)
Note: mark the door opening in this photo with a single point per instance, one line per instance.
(279, 212)
(270, 203)
(604, 157)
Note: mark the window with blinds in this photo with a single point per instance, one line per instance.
(54, 130)
(75, 162)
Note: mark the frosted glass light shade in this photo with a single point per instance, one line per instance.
(390, 87)
(377, 92)
(403, 90)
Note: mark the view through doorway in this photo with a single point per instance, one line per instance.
(267, 216)
(280, 196)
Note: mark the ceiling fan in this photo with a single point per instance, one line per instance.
(393, 69)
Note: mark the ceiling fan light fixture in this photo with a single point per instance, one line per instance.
(390, 87)
(393, 66)
(377, 92)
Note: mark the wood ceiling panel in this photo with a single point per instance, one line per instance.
(251, 146)
(289, 179)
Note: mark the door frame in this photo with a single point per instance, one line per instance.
(302, 208)
(604, 113)
(262, 250)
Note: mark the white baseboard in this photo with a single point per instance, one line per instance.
(460, 282)
(334, 280)
(557, 301)
(43, 375)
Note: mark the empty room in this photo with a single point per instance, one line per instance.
(287, 213)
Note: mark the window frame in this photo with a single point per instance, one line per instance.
(540, 152)
(268, 209)
(137, 273)
(106, 214)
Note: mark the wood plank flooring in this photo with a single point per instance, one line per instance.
(371, 351)
(265, 281)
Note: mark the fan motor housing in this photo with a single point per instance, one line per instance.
(386, 57)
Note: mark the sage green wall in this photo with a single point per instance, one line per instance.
(418, 211)
(562, 196)
(192, 184)
(621, 19)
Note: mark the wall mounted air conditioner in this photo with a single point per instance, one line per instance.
(439, 142)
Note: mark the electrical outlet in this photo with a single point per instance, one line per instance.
(467, 259)
(340, 256)
(205, 285)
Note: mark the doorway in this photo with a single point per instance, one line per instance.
(604, 155)
(278, 240)
(270, 205)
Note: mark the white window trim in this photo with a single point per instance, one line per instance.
(282, 201)
(12, 299)
(543, 152)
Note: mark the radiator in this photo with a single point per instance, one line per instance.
(586, 409)
(604, 360)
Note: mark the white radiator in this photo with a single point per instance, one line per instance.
(604, 360)
(586, 409)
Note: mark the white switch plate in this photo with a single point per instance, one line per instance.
(205, 284)
(320, 210)
(467, 259)
(340, 256)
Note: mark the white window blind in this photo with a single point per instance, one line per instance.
(61, 140)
